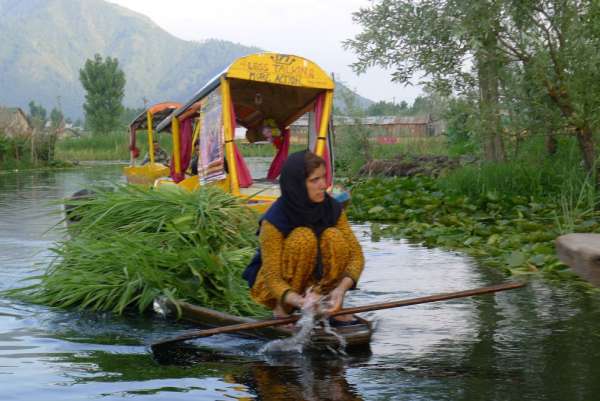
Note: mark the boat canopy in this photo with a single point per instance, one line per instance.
(158, 111)
(148, 120)
(263, 93)
(278, 86)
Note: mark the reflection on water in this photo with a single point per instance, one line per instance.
(537, 343)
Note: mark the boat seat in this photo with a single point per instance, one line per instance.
(262, 187)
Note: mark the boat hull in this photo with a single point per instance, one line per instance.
(354, 336)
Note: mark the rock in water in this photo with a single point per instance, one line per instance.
(581, 252)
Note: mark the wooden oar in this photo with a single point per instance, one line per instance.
(357, 309)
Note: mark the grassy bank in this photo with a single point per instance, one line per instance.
(114, 146)
(505, 214)
(17, 154)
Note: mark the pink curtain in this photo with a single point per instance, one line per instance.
(185, 149)
(318, 115)
(244, 177)
(132, 136)
(283, 148)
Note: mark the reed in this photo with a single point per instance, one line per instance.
(110, 146)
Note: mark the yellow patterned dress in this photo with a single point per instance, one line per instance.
(288, 262)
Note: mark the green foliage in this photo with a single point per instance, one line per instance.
(535, 63)
(459, 121)
(352, 147)
(383, 108)
(112, 146)
(128, 115)
(104, 83)
(37, 112)
(264, 149)
(15, 153)
(45, 145)
(532, 173)
(512, 232)
(131, 245)
(56, 118)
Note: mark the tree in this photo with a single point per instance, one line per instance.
(56, 118)
(129, 114)
(104, 83)
(383, 108)
(556, 42)
(37, 114)
(551, 45)
(437, 38)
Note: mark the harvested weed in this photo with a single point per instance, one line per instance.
(130, 245)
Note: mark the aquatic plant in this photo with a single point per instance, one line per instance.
(131, 245)
(512, 232)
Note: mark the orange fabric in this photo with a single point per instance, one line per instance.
(288, 263)
(161, 106)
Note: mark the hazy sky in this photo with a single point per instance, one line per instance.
(310, 28)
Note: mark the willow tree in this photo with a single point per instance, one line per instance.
(552, 43)
(104, 83)
(439, 39)
(556, 42)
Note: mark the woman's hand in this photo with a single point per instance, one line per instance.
(309, 300)
(336, 300)
(336, 297)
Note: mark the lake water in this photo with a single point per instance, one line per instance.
(537, 343)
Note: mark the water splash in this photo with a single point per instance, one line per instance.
(310, 319)
(299, 340)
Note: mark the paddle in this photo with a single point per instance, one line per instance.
(358, 309)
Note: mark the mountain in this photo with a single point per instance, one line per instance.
(45, 43)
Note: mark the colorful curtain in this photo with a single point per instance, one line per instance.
(185, 149)
(318, 114)
(132, 136)
(244, 177)
(283, 148)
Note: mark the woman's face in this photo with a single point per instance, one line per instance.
(316, 184)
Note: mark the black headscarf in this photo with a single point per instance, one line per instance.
(294, 204)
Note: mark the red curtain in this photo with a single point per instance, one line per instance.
(132, 147)
(244, 177)
(185, 149)
(318, 114)
(283, 148)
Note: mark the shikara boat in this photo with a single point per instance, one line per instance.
(355, 336)
(147, 120)
(264, 94)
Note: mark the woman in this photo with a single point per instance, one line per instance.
(305, 242)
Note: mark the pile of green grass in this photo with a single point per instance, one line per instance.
(131, 245)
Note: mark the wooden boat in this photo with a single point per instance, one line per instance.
(147, 120)
(355, 336)
(264, 94)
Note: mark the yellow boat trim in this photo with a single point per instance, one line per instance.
(282, 69)
(150, 137)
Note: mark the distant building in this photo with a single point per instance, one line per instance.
(383, 129)
(14, 122)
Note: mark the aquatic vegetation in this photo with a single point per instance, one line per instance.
(514, 233)
(132, 244)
